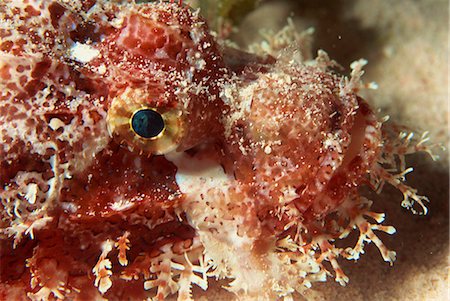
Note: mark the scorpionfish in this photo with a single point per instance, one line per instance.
(141, 155)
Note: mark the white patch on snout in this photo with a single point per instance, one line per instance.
(195, 175)
(83, 53)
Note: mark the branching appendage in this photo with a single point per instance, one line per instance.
(299, 268)
(366, 231)
(391, 167)
(26, 203)
(276, 43)
(410, 196)
(48, 279)
(102, 270)
(330, 253)
(355, 211)
(123, 245)
(170, 272)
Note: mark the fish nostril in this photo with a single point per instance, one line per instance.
(147, 123)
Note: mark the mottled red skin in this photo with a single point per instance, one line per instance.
(148, 187)
(112, 172)
(305, 149)
(139, 39)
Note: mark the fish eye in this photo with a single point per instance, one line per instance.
(133, 122)
(147, 123)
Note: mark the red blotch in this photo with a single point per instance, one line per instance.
(85, 31)
(33, 87)
(4, 72)
(56, 12)
(88, 4)
(6, 46)
(41, 69)
(114, 175)
(31, 12)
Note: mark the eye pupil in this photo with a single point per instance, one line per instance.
(147, 123)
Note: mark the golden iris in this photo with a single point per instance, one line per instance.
(134, 122)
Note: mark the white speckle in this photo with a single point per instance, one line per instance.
(121, 204)
(83, 53)
(55, 124)
(200, 64)
(161, 54)
(117, 22)
(69, 207)
(268, 149)
(101, 69)
(196, 35)
(31, 193)
(38, 224)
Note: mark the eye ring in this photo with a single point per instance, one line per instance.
(127, 105)
(148, 123)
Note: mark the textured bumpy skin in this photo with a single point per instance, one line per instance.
(255, 176)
